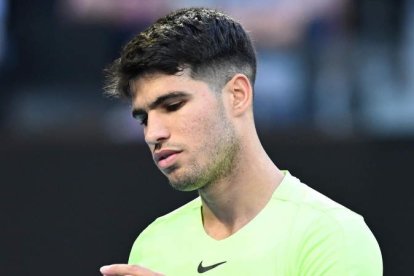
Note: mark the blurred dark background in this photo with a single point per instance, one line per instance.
(334, 105)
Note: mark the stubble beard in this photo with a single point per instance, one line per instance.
(222, 153)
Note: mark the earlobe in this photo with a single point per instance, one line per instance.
(241, 93)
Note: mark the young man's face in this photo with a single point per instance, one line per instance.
(186, 127)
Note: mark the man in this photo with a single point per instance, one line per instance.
(190, 78)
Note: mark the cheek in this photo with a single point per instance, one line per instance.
(199, 126)
(192, 126)
(201, 122)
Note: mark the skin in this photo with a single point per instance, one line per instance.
(177, 113)
(126, 270)
(219, 152)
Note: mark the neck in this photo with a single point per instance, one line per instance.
(233, 201)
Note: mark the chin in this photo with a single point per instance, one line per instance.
(184, 179)
(184, 185)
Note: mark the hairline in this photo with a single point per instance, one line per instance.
(207, 75)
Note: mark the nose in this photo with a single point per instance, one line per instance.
(156, 129)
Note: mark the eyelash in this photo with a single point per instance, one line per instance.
(170, 108)
(174, 106)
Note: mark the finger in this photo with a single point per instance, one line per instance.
(124, 269)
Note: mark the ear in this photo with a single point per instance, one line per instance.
(241, 94)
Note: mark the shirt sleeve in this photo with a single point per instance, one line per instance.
(338, 245)
(135, 254)
(140, 248)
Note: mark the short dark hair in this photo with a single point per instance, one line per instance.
(212, 45)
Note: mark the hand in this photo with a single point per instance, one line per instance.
(127, 270)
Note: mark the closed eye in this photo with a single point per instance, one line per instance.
(174, 106)
(170, 102)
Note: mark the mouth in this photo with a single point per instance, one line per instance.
(165, 158)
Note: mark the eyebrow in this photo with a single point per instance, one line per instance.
(136, 112)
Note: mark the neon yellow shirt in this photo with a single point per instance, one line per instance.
(299, 232)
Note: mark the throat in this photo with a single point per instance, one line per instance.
(220, 231)
(224, 226)
(232, 203)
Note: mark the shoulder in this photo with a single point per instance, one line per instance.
(180, 213)
(313, 210)
(172, 222)
(157, 235)
(306, 201)
(328, 235)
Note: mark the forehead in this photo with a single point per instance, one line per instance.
(147, 88)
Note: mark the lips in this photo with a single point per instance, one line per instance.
(165, 158)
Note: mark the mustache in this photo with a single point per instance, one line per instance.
(170, 146)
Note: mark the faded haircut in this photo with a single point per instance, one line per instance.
(211, 44)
